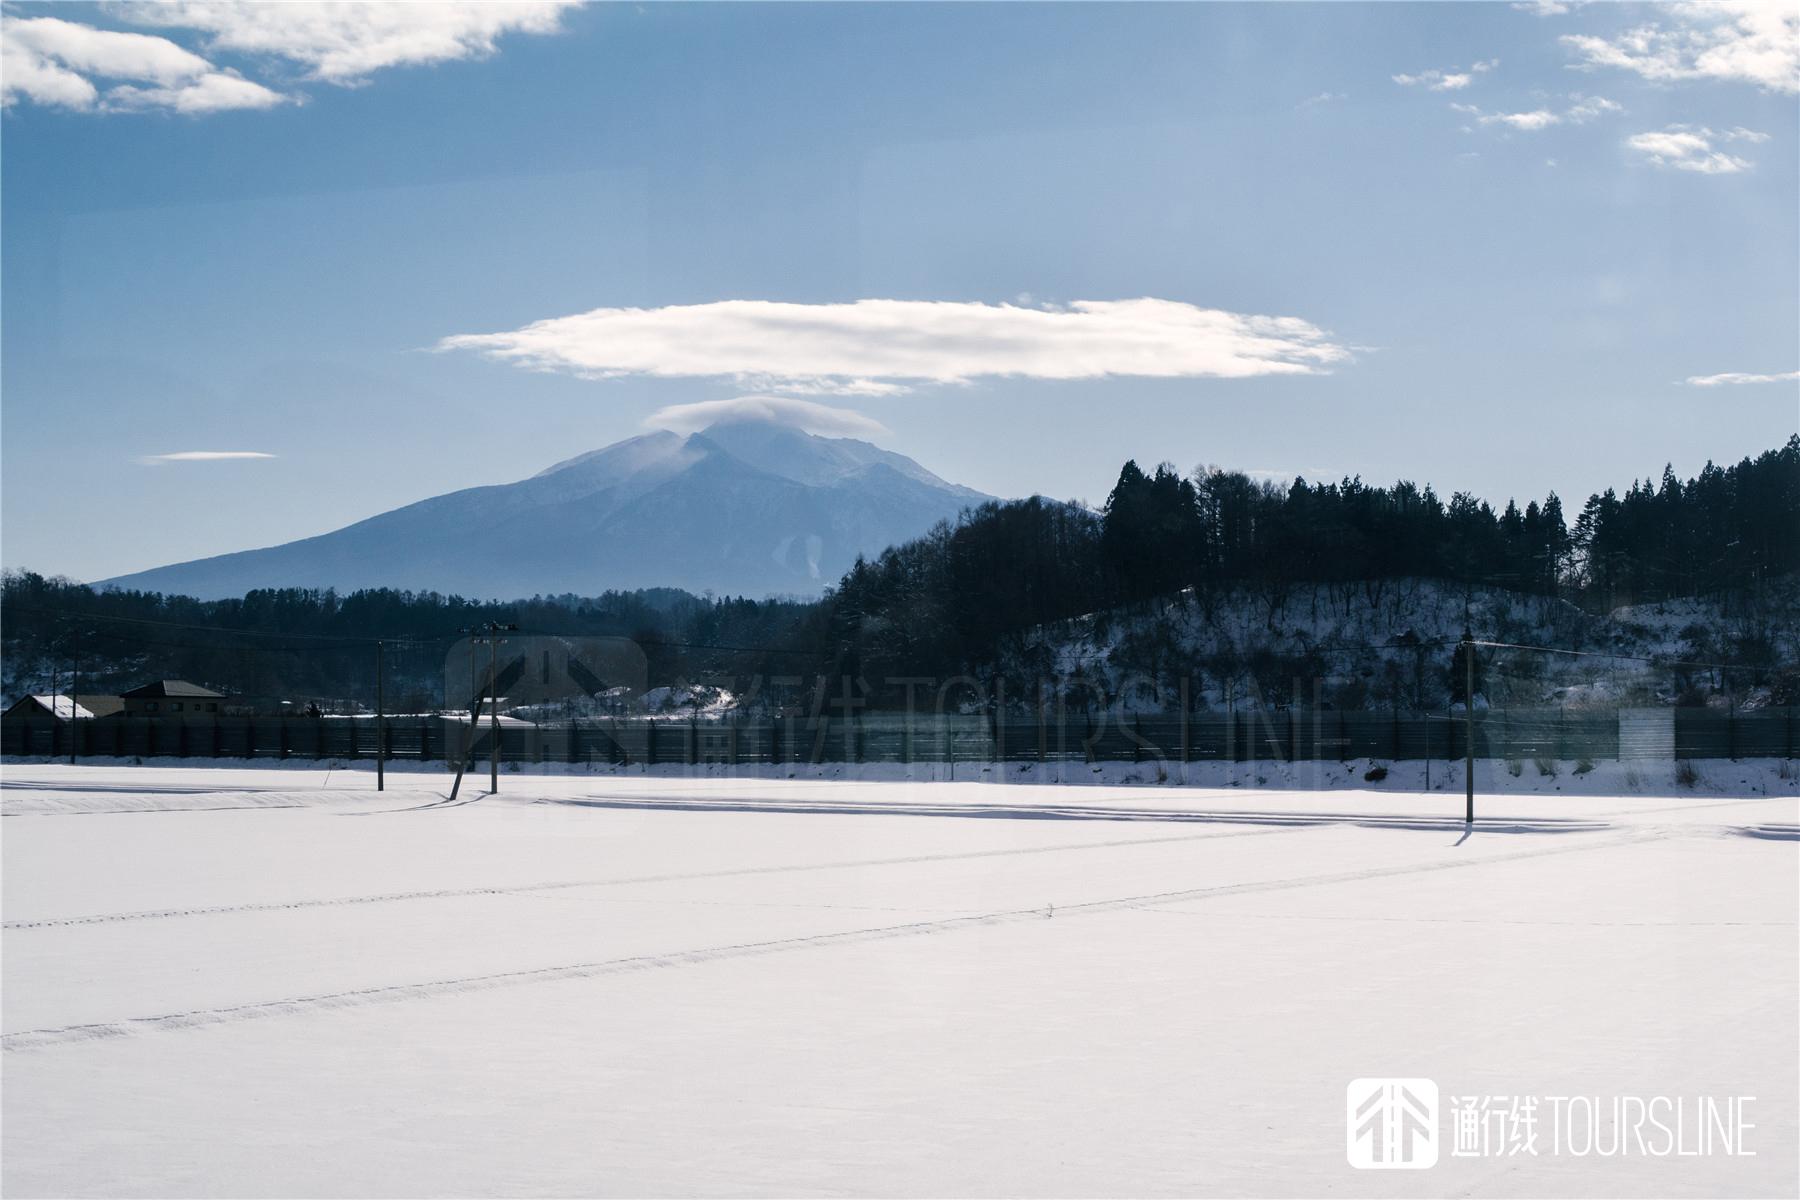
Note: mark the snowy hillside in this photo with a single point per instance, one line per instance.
(743, 507)
(1387, 645)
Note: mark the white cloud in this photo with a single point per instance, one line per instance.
(783, 410)
(1732, 377)
(1529, 122)
(1581, 110)
(1543, 8)
(1321, 98)
(1687, 148)
(154, 460)
(344, 42)
(27, 72)
(55, 62)
(1740, 134)
(1586, 108)
(1450, 80)
(52, 61)
(1743, 41)
(824, 387)
(870, 345)
(106, 52)
(216, 91)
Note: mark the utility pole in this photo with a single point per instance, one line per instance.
(494, 716)
(380, 726)
(474, 713)
(1468, 649)
(74, 691)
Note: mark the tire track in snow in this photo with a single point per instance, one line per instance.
(128, 812)
(563, 885)
(1069, 812)
(36, 1039)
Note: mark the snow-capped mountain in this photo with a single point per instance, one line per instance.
(744, 507)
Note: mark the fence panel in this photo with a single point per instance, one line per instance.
(1765, 733)
(899, 738)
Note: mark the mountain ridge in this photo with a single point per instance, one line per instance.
(744, 507)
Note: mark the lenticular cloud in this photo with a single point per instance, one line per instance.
(874, 346)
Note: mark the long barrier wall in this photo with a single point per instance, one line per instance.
(885, 737)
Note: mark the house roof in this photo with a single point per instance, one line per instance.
(179, 689)
(101, 706)
(80, 707)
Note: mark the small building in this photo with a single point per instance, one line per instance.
(171, 698)
(64, 708)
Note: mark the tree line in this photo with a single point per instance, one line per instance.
(314, 647)
(948, 597)
(949, 601)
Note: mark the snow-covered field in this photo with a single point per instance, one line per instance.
(275, 982)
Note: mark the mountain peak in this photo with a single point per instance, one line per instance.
(722, 508)
(811, 458)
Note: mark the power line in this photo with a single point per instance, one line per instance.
(821, 653)
(1655, 662)
(1417, 645)
(346, 639)
(349, 641)
(131, 639)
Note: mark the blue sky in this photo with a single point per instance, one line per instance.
(1497, 269)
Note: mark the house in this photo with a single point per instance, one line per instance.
(171, 697)
(81, 708)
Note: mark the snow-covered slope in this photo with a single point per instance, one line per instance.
(1382, 644)
(743, 507)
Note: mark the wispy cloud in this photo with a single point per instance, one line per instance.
(55, 62)
(783, 410)
(873, 346)
(1450, 79)
(1321, 98)
(1543, 8)
(1691, 148)
(1580, 111)
(71, 65)
(1586, 108)
(1735, 377)
(1743, 41)
(157, 460)
(348, 41)
(1527, 122)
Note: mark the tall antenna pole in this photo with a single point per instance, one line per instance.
(1468, 648)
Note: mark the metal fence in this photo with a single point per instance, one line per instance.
(1290, 736)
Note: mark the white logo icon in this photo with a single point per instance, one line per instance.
(1391, 1124)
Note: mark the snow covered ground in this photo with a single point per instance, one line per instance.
(280, 982)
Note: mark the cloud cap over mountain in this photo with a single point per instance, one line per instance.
(877, 346)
